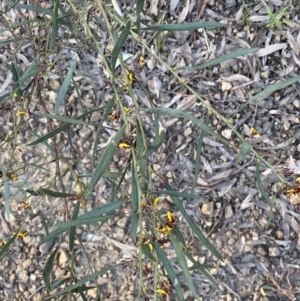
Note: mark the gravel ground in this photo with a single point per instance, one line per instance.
(233, 216)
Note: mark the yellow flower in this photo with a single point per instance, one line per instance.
(156, 200)
(131, 77)
(124, 145)
(161, 292)
(142, 61)
(21, 113)
(12, 176)
(25, 205)
(127, 110)
(254, 132)
(171, 217)
(21, 235)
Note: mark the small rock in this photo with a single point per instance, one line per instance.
(7, 293)
(46, 246)
(23, 276)
(274, 252)
(231, 241)
(226, 86)
(279, 234)
(286, 125)
(122, 222)
(92, 293)
(187, 132)
(63, 257)
(230, 3)
(208, 208)
(59, 272)
(228, 212)
(227, 133)
(296, 103)
(294, 199)
(181, 36)
(261, 251)
(85, 132)
(27, 263)
(22, 287)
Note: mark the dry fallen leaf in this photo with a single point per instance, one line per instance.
(270, 49)
(153, 7)
(184, 12)
(292, 42)
(173, 5)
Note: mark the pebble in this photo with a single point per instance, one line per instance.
(122, 222)
(228, 212)
(22, 287)
(226, 86)
(46, 246)
(27, 263)
(208, 208)
(274, 252)
(188, 132)
(63, 257)
(23, 276)
(227, 133)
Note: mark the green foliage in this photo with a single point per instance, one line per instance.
(67, 184)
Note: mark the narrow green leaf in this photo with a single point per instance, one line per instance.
(243, 151)
(88, 278)
(65, 86)
(147, 251)
(105, 209)
(4, 97)
(61, 118)
(48, 269)
(31, 70)
(265, 92)
(16, 77)
(158, 141)
(169, 269)
(140, 151)
(119, 45)
(183, 264)
(52, 235)
(54, 30)
(5, 248)
(32, 192)
(44, 223)
(194, 119)
(185, 26)
(105, 160)
(5, 42)
(106, 112)
(44, 143)
(73, 229)
(56, 194)
(178, 235)
(135, 200)
(61, 128)
(192, 225)
(6, 191)
(222, 58)
(59, 283)
(264, 194)
(139, 8)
